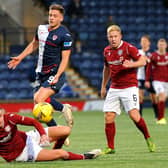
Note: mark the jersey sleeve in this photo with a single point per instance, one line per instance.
(67, 41)
(18, 119)
(105, 61)
(133, 52)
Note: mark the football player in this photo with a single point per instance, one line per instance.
(54, 42)
(16, 145)
(120, 62)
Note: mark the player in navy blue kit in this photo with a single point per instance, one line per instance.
(54, 42)
(145, 50)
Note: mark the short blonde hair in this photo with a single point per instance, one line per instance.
(113, 28)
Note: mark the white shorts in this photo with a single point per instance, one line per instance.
(117, 98)
(160, 87)
(32, 148)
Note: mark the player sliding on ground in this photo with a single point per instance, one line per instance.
(16, 145)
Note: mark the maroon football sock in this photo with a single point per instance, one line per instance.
(161, 109)
(74, 156)
(110, 134)
(141, 125)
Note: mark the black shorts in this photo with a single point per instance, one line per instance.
(141, 85)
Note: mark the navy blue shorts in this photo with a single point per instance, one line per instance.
(141, 85)
(43, 80)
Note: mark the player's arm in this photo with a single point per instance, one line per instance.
(32, 46)
(105, 79)
(65, 53)
(138, 60)
(63, 65)
(18, 119)
(135, 64)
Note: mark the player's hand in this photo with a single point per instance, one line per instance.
(44, 141)
(54, 80)
(12, 64)
(147, 84)
(103, 92)
(128, 64)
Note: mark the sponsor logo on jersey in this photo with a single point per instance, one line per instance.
(68, 34)
(116, 62)
(67, 44)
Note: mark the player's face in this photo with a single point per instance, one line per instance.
(145, 43)
(1, 119)
(55, 18)
(114, 38)
(162, 45)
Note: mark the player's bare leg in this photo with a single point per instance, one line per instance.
(47, 155)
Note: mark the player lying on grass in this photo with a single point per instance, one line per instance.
(16, 145)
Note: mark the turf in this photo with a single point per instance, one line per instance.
(131, 148)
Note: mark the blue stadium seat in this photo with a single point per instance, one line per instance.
(3, 94)
(66, 92)
(4, 75)
(13, 94)
(14, 85)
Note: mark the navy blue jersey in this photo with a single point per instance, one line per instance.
(51, 44)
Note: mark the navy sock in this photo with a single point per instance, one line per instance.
(155, 110)
(140, 110)
(51, 123)
(57, 105)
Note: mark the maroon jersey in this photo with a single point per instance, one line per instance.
(13, 141)
(157, 69)
(121, 77)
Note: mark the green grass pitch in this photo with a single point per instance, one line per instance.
(131, 148)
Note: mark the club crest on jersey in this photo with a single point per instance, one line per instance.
(120, 52)
(54, 37)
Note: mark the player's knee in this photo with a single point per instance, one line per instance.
(109, 117)
(134, 115)
(38, 99)
(60, 153)
(68, 130)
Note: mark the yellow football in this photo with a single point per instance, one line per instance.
(43, 112)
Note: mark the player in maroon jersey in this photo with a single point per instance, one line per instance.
(16, 145)
(158, 70)
(121, 60)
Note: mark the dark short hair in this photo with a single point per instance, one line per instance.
(147, 37)
(58, 7)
